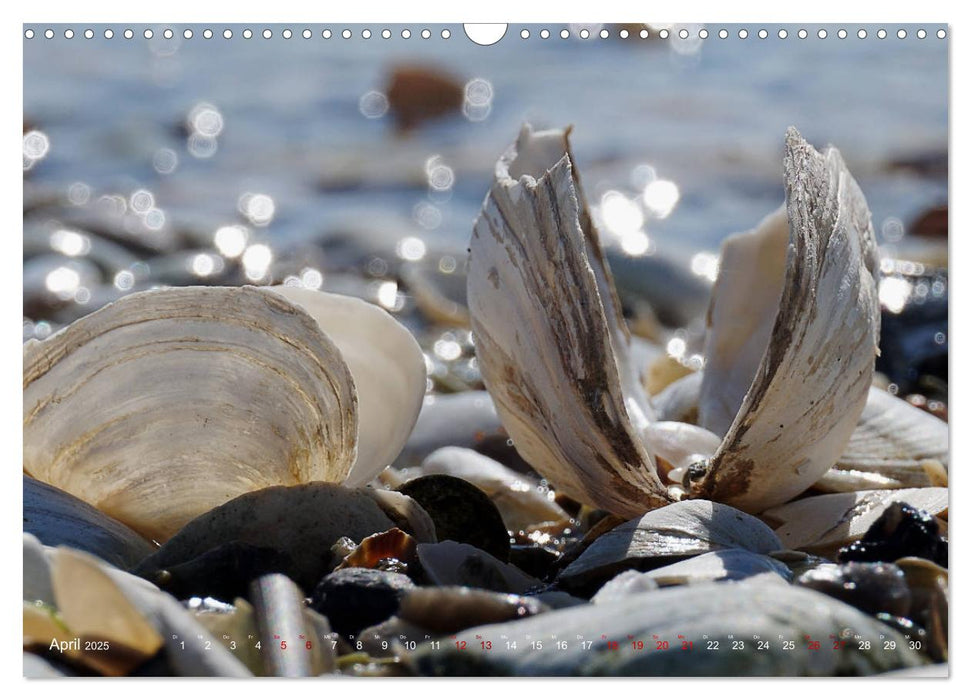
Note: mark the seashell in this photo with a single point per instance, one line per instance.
(58, 518)
(298, 522)
(228, 390)
(93, 607)
(666, 535)
(823, 524)
(37, 572)
(721, 565)
(404, 512)
(448, 610)
(393, 544)
(894, 444)
(664, 371)
(279, 610)
(458, 564)
(519, 499)
(721, 611)
(785, 386)
(889, 448)
(388, 370)
(929, 602)
(440, 295)
(678, 401)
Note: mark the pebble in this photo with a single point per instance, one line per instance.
(354, 598)
(461, 512)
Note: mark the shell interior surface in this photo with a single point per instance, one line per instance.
(788, 377)
(167, 403)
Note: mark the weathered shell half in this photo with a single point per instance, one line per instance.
(550, 340)
(167, 403)
(788, 410)
(825, 523)
(889, 448)
(785, 391)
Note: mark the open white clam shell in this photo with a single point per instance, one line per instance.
(782, 395)
(167, 403)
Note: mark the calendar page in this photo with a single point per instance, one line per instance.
(444, 350)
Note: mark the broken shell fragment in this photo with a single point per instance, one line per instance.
(823, 524)
(664, 536)
(227, 390)
(894, 445)
(793, 331)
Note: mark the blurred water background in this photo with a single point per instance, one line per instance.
(168, 160)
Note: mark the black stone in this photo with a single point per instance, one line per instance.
(461, 512)
(872, 588)
(901, 531)
(354, 599)
(224, 572)
(535, 560)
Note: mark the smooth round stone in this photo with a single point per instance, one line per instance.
(353, 599)
(520, 500)
(299, 522)
(461, 512)
(722, 612)
(56, 517)
(224, 572)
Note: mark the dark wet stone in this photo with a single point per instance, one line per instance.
(224, 572)
(872, 588)
(301, 522)
(534, 559)
(353, 599)
(902, 531)
(461, 512)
